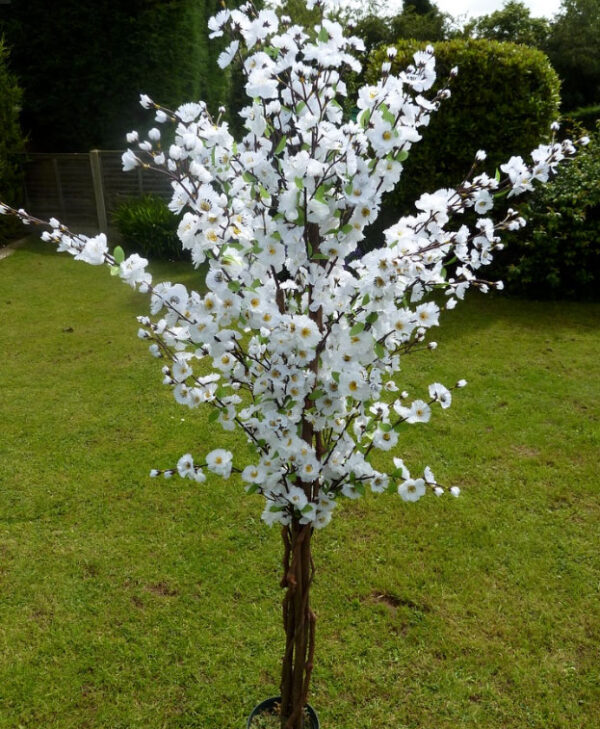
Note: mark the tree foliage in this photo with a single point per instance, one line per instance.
(574, 50)
(422, 21)
(571, 40)
(512, 23)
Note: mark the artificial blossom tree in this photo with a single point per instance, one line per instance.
(305, 338)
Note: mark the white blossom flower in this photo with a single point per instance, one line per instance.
(227, 56)
(94, 250)
(297, 497)
(412, 489)
(440, 394)
(185, 466)
(130, 161)
(219, 461)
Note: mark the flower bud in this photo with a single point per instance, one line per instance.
(146, 101)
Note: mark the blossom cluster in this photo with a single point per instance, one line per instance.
(297, 340)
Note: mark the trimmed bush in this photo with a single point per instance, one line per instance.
(148, 227)
(503, 100)
(11, 146)
(558, 254)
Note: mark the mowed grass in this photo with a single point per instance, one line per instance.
(128, 602)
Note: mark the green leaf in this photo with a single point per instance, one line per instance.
(252, 489)
(357, 328)
(387, 115)
(320, 194)
(234, 286)
(323, 35)
(316, 394)
(335, 376)
(365, 118)
(119, 254)
(402, 155)
(320, 257)
(281, 146)
(213, 415)
(380, 350)
(497, 175)
(299, 183)
(348, 228)
(373, 316)
(247, 177)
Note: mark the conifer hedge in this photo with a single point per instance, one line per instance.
(11, 145)
(82, 66)
(503, 100)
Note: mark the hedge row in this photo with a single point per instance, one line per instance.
(503, 101)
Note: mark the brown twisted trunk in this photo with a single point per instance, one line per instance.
(298, 568)
(299, 624)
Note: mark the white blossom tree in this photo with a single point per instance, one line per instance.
(305, 338)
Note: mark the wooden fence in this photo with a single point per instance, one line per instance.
(83, 190)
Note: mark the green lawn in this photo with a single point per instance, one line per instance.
(128, 602)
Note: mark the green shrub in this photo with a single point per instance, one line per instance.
(148, 227)
(557, 255)
(503, 101)
(11, 146)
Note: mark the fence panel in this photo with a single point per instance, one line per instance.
(83, 190)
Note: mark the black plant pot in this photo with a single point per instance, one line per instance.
(271, 704)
